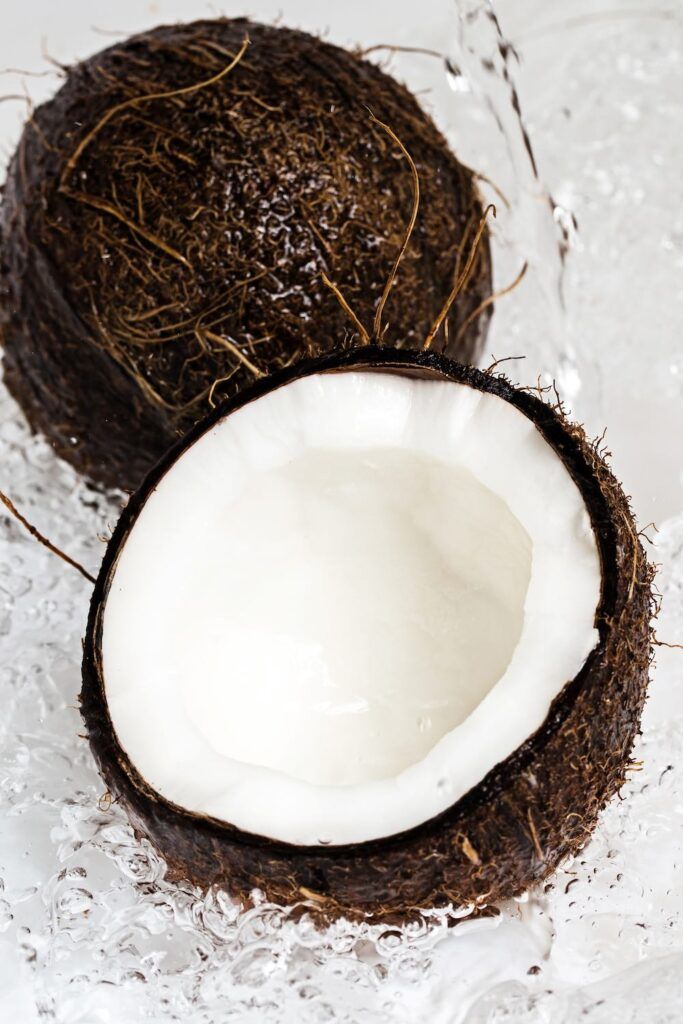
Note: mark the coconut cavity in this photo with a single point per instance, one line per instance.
(344, 604)
(171, 216)
(371, 620)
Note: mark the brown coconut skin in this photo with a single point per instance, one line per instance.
(531, 811)
(195, 228)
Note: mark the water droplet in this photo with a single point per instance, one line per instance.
(455, 77)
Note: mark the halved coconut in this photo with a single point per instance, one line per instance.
(375, 634)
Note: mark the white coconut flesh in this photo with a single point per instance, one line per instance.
(344, 604)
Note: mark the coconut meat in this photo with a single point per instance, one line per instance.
(344, 604)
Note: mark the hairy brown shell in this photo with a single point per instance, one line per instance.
(166, 224)
(514, 827)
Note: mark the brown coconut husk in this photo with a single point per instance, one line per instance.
(171, 217)
(514, 827)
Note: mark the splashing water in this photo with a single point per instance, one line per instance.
(533, 229)
(90, 930)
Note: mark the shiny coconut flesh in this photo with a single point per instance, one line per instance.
(344, 604)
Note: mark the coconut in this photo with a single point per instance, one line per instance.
(375, 636)
(184, 216)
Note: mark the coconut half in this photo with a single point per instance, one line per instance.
(376, 634)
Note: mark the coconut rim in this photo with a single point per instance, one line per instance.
(554, 429)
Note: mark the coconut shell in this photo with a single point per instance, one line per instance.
(531, 811)
(166, 225)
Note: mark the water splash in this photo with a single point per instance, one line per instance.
(531, 227)
(90, 929)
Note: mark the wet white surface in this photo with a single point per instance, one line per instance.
(89, 930)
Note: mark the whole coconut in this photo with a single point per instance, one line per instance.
(169, 217)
